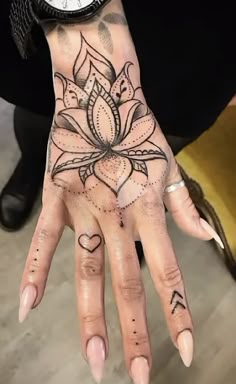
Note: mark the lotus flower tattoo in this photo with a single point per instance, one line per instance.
(101, 126)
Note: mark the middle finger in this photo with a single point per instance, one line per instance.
(130, 299)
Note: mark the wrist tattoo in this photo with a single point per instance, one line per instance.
(103, 22)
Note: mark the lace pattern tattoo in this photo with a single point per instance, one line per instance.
(102, 131)
(103, 21)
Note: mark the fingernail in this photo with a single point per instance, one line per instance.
(185, 346)
(211, 232)
(96, 357)
(26, 302)
(140, 370)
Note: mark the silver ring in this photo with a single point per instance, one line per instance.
(175, 186)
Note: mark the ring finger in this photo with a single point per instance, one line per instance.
(89, 260)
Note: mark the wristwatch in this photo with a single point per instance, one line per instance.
(25, 15)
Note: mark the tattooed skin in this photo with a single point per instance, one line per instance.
(103, 22)
(103, 132)
(90, 243)
(177, 301)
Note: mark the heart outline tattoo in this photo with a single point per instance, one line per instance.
(89, 243)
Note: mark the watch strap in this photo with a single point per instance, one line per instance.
(22, 22)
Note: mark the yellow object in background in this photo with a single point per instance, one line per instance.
(211, 161)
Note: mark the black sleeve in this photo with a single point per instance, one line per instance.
(27, 83)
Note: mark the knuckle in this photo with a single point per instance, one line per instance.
(61, 189)
(43, 234)
(151, 203)
(138, 339)
(171, 276)
(47, 235)
(33, 269)
(129, 257)
(62, 183)
(131, 290)
(180, 318)
(90, 268)
(41, 269)
(91, 318)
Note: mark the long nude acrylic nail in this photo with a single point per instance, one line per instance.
(27, 301)
(211, 232)
(140, 370)
(185, 346)
(96, 357)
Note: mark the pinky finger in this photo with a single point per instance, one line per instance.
(45, 240)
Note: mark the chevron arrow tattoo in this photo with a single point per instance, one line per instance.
(178, 303)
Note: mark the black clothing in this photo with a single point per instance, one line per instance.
(20, 192)
(187, 60)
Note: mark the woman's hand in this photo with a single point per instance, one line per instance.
(107, 172)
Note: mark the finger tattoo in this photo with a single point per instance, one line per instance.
(177, 301)
(90, 243)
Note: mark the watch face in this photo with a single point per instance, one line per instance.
(69, 5)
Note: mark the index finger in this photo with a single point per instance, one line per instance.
(130, 299)
(43, 245)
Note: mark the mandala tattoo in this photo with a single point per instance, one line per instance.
(101, 128)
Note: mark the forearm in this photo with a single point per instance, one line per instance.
(107, 33)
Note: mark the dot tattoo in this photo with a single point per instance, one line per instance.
(121, 220)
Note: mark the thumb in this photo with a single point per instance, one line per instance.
(180, 205)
